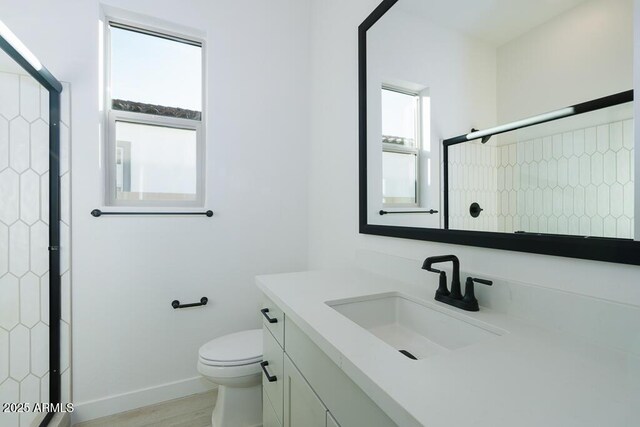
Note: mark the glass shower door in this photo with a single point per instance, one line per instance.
(24, 240)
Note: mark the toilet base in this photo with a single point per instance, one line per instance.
(238, 407)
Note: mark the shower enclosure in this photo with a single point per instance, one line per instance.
(568, 172)
(30, 234)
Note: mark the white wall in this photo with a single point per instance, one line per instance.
(127, 270)
(582, 54)
(334, 238)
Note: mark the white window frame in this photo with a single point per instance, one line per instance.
(393, 148)
(113, 116)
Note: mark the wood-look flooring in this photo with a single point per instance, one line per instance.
(190, 411)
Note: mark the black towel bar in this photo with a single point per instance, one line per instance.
(431, 211)
(98, 213)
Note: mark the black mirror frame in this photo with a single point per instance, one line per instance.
(54, 87)
(622, 251)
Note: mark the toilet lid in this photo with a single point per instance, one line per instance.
(240, 348)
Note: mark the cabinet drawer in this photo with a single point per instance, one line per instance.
(273, 357)
(269, 417)
(273, 319)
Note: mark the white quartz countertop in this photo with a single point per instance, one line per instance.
(528, 376)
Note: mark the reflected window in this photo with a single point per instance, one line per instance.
(154, 108)
(401, 120)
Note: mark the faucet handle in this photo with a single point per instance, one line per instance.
(442, 285)
(482, 281)
(469, 293)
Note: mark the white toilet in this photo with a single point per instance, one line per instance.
(233, 362)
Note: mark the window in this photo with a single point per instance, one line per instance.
(155, 108)
(400, 147)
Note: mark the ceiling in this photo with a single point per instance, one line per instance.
(494, 21)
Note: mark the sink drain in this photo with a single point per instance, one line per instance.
(409, 355)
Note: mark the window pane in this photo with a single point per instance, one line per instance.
(153, 70)
(399, 116)
(398, 178)
(155, 162)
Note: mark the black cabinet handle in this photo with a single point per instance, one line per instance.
(264, 312)
(270, 378)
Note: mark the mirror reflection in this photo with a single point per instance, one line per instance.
(439, 71)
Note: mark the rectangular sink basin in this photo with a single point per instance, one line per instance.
(413, 326)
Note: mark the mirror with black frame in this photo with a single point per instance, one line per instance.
(499, 118)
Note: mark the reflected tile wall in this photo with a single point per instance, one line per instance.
(473, 178)
(578, 182)
(24, 276)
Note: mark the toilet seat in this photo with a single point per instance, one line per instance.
(233, 350)
(228, 372)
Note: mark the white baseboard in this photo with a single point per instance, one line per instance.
(84, 411)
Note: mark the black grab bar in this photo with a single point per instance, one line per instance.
(176, 304)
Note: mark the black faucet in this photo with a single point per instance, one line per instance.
(454, 297)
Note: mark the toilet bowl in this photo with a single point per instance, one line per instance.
(233, 363)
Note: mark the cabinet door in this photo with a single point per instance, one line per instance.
(273, 359)
(331, 422)
(269, 417)
(302, 408)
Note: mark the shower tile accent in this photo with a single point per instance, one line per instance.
(578, 182)
(24, 277)
(474, 177)
(583, 185)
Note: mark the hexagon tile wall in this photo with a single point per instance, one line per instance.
(578, 182)
(24, 259)
(473, 178)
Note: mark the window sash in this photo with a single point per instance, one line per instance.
(416, 187)
(151, 120)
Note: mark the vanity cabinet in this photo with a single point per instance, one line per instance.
(303, 387)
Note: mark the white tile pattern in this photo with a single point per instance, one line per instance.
(583, 185)
(474, 177)
(578, 182)
(24, 277)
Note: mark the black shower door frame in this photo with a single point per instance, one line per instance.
(46, 79)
